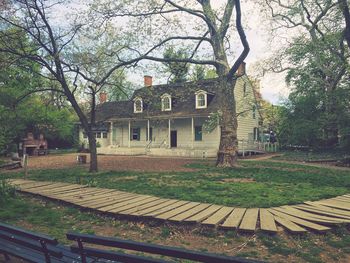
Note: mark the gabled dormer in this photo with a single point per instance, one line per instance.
(138, 105)
(166, 102)
(201, 99)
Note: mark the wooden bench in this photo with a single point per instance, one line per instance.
(109, 255)
(33, 247)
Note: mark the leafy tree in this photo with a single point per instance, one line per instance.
(316, 63)
(210, 28)
(178, 70)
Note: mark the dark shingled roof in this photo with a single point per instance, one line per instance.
(183, 102)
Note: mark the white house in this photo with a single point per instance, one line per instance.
(170, 120)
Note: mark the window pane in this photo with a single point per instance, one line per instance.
(201, 100)
(166, 103)
(104, 135)
(135, 134)
(98, 135)
(138, 106)
(198, 133)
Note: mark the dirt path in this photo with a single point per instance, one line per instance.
(111, 163)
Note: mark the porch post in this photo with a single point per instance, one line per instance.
(111, 134)
(169, 134)
(192, 132)
(149, 139)
(129, 133)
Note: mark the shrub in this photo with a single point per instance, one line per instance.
(6, 191)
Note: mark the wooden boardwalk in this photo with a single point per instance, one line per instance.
(316, 216)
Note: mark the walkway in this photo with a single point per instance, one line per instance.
(316, 216)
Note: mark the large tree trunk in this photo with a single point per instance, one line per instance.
(228, 149)
(93, 152)
(343, 5)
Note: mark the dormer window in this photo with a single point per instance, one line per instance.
(201, 99)
(138, 105)
(166, 102)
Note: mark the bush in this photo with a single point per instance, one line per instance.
(6, 191)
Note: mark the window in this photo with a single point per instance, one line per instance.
(138, 105)
(98, 135)
(135, 134)
(198, 133)
(254, 112)
(244, 89)
(84, 135)
(201, 99)
(166, 102)
(104, 135)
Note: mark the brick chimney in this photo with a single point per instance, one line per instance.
(147, 81)
(103, 97)
(241, 69)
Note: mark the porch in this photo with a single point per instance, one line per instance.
(185, 137)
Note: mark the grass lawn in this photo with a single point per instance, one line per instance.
(254, 184)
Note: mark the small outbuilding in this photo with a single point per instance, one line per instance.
(32, 146)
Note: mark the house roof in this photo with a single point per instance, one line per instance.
(183, 102)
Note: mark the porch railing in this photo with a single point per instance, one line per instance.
(248, 146)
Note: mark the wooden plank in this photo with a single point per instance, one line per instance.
(328, 209)
(136, 204)
(63, 193)
(343, 199)
(117, 199)
(289, 225)
(299, 221)
(319, 211)
(95, 197)
(36, 188)
(20, 182)
(139, 208)
(124, 203)
(155, 208)
(218, 216)
(234, 219)
(78, 196)
(177, 211)
(267, 221)
(334, 204)
(204, 214)
(60, 189)
(310, 217)
(84, 192)
(189, 213)
(166, 209)
(33, 185)
(249, 220)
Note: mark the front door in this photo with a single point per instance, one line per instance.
(173, 139)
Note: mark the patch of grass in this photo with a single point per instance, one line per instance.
(165, 232)
(270, 183)
(304, 156)
(276, 245)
